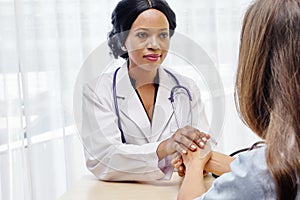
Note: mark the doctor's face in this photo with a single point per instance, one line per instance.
(148, 40)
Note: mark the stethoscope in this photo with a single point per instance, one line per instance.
(171, 98)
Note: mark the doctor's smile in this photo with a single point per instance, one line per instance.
(152, 57)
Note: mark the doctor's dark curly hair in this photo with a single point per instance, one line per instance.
(123, 16)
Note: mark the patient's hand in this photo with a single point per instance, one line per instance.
(199, 157)
(178, 164)
(193, 183)
(177, 160)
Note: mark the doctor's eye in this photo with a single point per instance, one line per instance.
(164, 35)
(142, 35)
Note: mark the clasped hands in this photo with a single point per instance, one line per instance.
(192, 147)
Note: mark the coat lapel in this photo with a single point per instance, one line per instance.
(163, 109)
(129, 103)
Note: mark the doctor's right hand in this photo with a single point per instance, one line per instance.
(184, 139)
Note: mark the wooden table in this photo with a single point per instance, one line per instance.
(89, 188)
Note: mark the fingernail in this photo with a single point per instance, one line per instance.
(204, 139)
(201, 144)
(183, 151)
(193, 146)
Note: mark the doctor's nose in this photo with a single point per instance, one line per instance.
(153, 43)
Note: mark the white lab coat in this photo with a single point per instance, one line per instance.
(106, 156)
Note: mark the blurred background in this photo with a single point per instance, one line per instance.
(43, 45)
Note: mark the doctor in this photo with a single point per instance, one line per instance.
(130, 130)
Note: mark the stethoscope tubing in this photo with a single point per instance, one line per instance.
(117, 107)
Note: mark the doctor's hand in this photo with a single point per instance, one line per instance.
(184, 139)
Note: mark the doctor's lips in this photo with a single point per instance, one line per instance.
(152, 57)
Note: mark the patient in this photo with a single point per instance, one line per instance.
(267, 95)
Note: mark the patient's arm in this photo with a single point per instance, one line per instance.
(219, 163)
(193, 183)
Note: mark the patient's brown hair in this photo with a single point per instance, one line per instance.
(268, 86)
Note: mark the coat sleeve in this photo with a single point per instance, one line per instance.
(106, 156)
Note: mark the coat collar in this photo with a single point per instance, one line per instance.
(131, 106)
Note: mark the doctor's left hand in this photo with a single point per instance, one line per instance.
(184, 139)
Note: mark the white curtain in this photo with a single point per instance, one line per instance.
(215, 25)
(43, 45)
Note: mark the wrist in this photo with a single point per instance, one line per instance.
(162, 150)
(195, 164)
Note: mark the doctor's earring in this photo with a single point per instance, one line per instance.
(124, 48)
